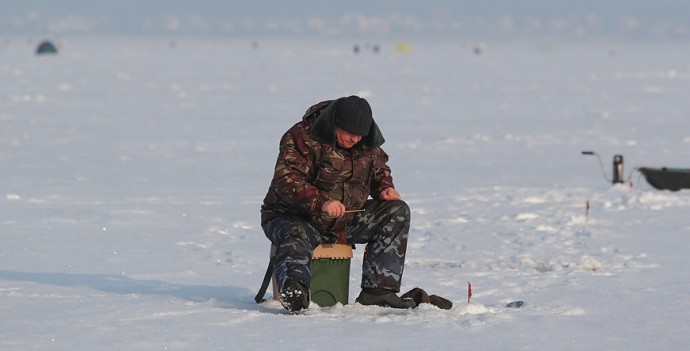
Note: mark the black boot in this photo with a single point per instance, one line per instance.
(384, 298)
(294, 296)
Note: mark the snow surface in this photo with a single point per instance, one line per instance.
(133, 170)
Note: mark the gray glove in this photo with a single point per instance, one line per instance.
(384, 298)
(420, 296)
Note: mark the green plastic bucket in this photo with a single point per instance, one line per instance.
(330, 281)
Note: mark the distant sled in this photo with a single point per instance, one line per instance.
(665, 178)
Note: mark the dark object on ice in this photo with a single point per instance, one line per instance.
(617, 167)
(421, 296)
(384, 298)
(515, 304)
(665, 178)
(46, 47)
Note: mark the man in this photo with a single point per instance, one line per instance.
(329, 164)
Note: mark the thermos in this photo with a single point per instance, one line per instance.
(618, 169)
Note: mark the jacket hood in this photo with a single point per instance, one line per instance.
(322, 119)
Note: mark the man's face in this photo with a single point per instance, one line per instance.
(345, 139)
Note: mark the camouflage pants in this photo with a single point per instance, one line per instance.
(383, 227)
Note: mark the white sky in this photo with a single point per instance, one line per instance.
(637, 19)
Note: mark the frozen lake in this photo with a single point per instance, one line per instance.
(133, 170)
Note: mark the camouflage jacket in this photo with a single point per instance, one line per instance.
(311, 170)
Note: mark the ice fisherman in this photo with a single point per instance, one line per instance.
(329, 163)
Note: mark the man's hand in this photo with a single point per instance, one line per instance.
(389, 194)
(334, 208)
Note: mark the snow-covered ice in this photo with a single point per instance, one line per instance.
(133, 171)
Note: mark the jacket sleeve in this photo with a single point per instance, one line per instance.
(382, 174)
(293, 170)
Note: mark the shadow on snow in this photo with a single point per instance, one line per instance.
(226, 296)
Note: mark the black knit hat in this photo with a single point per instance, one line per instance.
(353, 115)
